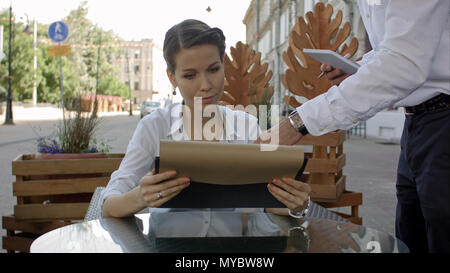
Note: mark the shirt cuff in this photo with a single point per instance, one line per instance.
(316, 115)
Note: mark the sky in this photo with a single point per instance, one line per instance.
(140, 19)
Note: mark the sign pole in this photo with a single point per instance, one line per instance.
(62, 89)
(9, 112)
(58, 32)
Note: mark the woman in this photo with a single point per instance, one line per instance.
(194, 55)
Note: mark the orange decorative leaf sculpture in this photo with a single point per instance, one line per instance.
(246, 80)
(319, 33)
(301, 77)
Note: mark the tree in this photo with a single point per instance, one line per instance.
(85, 58)
(79, 69)
(22, 60)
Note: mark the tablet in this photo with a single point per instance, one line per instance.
(332, 58)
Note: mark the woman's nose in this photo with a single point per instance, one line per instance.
(205, 83)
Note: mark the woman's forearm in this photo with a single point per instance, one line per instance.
(124, 205)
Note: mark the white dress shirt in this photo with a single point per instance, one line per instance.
(167, 123)
(408, 65)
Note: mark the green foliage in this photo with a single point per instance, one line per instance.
(22, 65)
(79, 70)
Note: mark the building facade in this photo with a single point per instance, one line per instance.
(142, 68)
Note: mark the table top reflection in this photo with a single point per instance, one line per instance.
(215, 232)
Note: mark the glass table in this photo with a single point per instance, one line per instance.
(216, 232)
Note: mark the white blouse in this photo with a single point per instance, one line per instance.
(166, 124)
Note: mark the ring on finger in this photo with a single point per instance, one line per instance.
(159, 195)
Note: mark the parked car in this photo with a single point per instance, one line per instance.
(148, 107)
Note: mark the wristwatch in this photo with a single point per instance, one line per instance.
(297, 123)
(303, 213)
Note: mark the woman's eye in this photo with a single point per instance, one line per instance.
(214, 69)
(188, 76)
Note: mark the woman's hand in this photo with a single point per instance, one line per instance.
(157, 189)
(294, 194)
(336, 76)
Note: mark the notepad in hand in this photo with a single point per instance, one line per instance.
(332, 58)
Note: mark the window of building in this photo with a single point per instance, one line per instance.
(127, 68)
(286, 23)
(274, 34)
(137, 54)
(136, 69)
(283, 25)
(136, 86)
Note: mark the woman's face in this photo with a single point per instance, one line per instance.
(199, 72)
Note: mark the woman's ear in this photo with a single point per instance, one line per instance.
(171, 77)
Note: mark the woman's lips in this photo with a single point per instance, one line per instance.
(208, 99)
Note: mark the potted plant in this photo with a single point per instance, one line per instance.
(70, 165)
(74, 138)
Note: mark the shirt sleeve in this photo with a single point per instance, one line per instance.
(138, 161)
(366, 58)
(413, 30)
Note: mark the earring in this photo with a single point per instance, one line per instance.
(174, 91)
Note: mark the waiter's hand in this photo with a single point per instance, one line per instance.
(336, 76)
(287, 135)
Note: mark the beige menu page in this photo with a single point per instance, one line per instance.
(229, 164)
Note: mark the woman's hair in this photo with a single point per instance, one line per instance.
(191, 33)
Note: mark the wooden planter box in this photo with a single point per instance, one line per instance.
(324, 169)
(58, 189)
(51, 194)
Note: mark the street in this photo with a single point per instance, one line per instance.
(370, 167)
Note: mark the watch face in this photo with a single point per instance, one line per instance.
(296, 121)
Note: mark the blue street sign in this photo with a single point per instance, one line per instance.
(58, 32)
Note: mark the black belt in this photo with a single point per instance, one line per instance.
(441, 101)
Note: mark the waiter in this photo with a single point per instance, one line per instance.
(409, 67)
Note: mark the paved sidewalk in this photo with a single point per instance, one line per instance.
(45, 112)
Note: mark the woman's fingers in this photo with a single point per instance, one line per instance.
(298, 185)
(153, 189)
(155, 193)
(156, 178)
(290, 192)
(278, 194)
(165, 199)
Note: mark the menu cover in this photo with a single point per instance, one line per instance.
(228, 175)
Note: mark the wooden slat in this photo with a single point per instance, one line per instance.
(330, 139)
(67, 166)
(347, 199)
(73, 211)
(60, 186)
(325, 165)
(17, 243)
(10, 224)
(331, 193)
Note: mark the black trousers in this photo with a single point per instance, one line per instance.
(423, 183)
